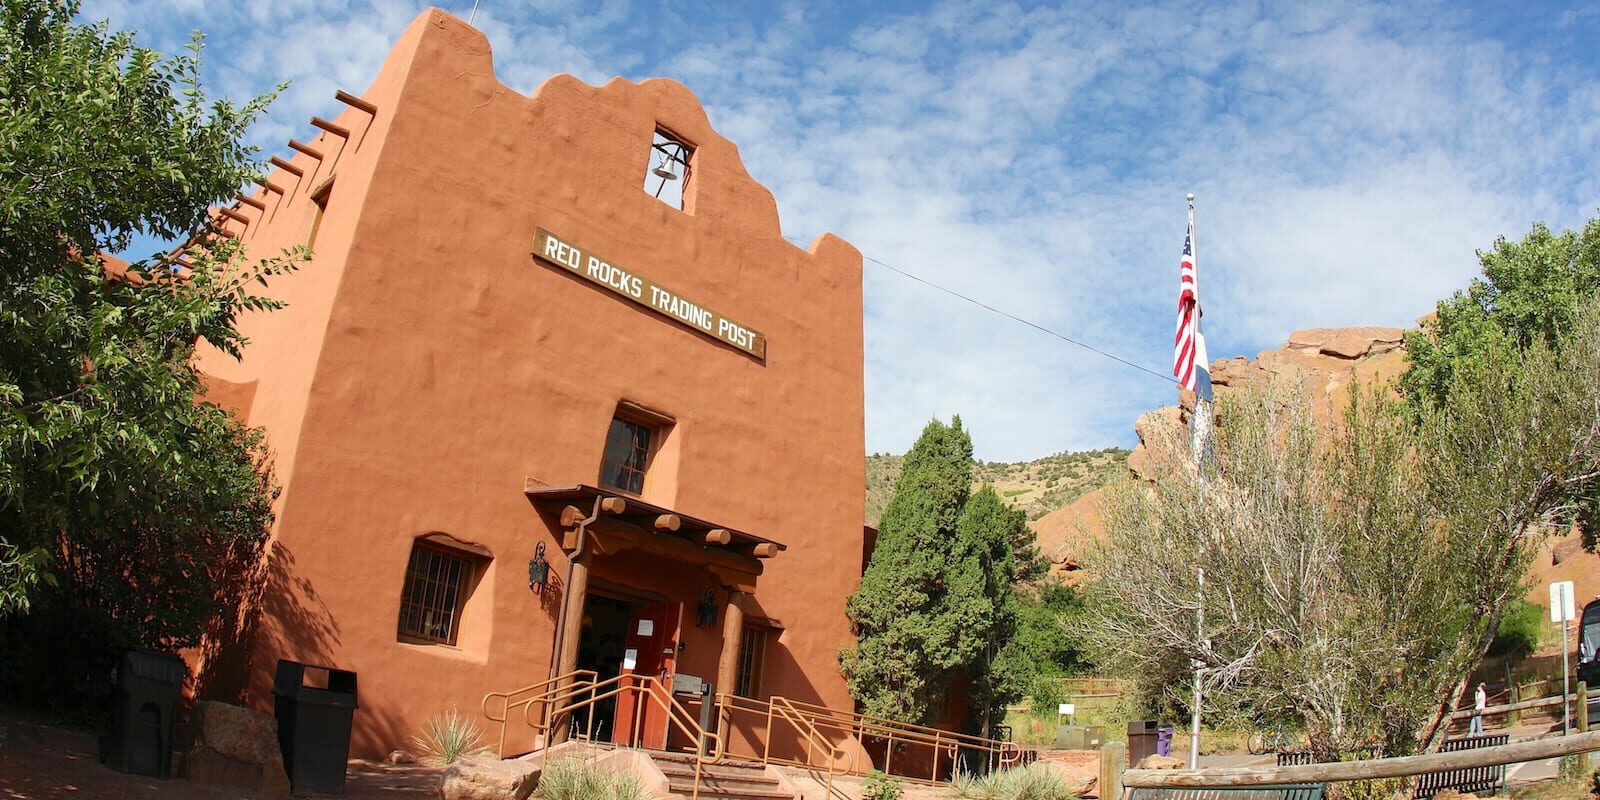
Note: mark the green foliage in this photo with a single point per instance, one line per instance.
(1530, 295)
(572, 779)
(1521, 627)
(909, 634)
(879, 786)
(447, 737)
(128, 510)
(1033, 782)
(1376, 789)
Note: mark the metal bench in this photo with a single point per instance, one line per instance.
(1295, 791)
(1475, 780)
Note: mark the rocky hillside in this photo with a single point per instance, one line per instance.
(1037, 487)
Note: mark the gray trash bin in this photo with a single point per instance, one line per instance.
(148, 685)
(1141, 740)
(314, 724)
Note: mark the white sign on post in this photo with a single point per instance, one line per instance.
(1068, 709)
(1562, 608)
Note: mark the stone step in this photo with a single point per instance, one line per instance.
(686, 789)
(754, 783)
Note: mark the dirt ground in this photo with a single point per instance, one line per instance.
(39, 762)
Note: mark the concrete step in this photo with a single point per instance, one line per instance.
(710, 793)
(724, 784)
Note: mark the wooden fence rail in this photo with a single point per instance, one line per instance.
(1405, 766)
(1464, 713)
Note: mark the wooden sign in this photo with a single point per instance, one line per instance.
(552, 250)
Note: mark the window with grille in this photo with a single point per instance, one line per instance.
(436, 586)
(627, 455)
(752, 652)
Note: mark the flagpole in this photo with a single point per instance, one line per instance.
(1199, 430)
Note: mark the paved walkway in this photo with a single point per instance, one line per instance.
(39, 762)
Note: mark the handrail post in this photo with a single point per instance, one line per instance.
(935, 776)
(1583, 725)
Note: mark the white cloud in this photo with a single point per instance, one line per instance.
(1348, 158)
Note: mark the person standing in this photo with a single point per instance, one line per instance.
(1480, 702)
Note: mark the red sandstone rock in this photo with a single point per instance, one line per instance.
(235, 747)
(487, 777)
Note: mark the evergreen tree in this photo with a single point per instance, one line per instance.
(982, 572)
(910, 638)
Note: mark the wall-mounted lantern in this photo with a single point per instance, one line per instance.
(538, 570)
(707, 609)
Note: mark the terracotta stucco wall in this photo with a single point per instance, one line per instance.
(431, 364)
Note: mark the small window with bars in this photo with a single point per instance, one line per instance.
(436, 588)
(752, 653)
(627, 455)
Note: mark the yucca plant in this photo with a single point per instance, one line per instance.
(572, 779)
(1033, 782)
(447, 737)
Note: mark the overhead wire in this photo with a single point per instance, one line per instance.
(1008, 315)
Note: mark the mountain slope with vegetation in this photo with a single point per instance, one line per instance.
(1035, 487)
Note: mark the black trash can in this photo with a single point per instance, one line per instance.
(148, 685)
(1142, 735)
(314, 724)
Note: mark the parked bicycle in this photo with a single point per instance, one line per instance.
(1274, 738)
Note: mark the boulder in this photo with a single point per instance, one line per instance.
(237, 748)
(1162, 762)
(483, 776)
(401, 757)
(1080, 779)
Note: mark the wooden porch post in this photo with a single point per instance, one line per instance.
(572, 604)
(732, 637)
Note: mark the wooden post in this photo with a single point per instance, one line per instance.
(572, 603)
(1113, 760)
(1583, 725)
(732, 637)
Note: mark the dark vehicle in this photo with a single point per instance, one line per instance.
(1589, 644)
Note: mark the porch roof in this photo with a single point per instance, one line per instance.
(651, 517)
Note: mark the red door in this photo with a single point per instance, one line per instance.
(651, 649)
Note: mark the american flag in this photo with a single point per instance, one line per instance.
(1190, 365)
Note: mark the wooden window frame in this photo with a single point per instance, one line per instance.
(656, 424)
(752, 660)
(472, 570)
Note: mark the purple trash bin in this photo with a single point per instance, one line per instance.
(1164, 740)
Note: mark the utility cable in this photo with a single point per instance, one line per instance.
(1008, 315)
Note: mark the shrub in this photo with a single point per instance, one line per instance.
(447, 737)
(1033, 782)
(572, 779)
(1378, 789)
(880, 787)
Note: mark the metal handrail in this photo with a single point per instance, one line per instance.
(573, 692)
(811, 734)
(527, 703)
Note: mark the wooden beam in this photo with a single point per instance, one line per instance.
(613, 505)
(764, 550)
(668, 522)
(569, 540)
(623, 536)
(268, 185)
(251, 201)
(718, 536)
(336, 130)
(286, 167)
(234, 215)
(1535, 750)
(307, 149)
(355, 102)
(571, 516)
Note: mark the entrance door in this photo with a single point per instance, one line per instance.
(651, 650)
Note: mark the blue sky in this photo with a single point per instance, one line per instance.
(1348, 160)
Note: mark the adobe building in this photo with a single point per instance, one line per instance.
(553, 393)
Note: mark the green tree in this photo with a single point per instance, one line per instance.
(1530, 293)
(126, 505)
(982, 572)
(909, 638)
